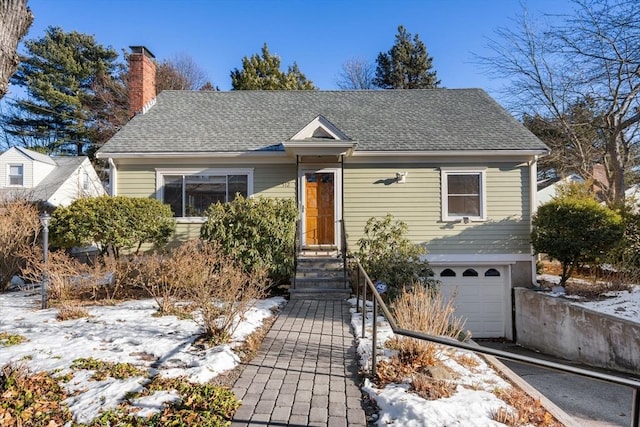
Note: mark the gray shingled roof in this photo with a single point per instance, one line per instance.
(384, 120)
(52, 182)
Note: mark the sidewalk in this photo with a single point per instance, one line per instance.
(306, 372)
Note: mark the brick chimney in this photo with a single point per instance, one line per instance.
(142, 80)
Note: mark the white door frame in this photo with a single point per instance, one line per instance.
(337, 198)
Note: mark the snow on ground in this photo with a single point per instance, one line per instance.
(129, 332)
(468, 406)
(126, 332)
(623, 304)
(619, 303)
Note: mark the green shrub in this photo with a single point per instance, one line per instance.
(626, 254)
(387, 254)
(575, 231)
(259, 232)
(112, 223)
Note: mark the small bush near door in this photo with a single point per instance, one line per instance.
(259, 232)
(387, 255)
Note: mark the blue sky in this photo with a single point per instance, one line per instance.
(318, 35)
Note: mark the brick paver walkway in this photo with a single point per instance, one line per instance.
(305, 373)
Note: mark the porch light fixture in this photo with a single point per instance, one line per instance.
(45, 218)
(401, 177)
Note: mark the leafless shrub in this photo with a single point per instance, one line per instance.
(466, 359)
(167, 276)
(528, 411)
(505, 416)
(216, 284)
(393, 370)
(19, 225)
(423, 309)
(430, 388)
(66, 277)
(69, 279)
(71, 310)
(226, 295)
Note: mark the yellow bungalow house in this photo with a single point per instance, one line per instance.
(451, 163)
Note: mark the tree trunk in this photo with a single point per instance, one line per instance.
(15, 20)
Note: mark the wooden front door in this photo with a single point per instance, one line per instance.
(319, 208)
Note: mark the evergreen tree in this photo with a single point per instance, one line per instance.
(263, 73)
(75, 92)
(406, 65)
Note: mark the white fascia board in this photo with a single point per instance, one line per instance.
(452, 153)
(191, 154)
(476, 259)
(314, 148)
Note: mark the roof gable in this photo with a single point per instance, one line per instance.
(33, 155)
(320, 129)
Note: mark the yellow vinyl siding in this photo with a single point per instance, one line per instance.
(275, 181)
(269, 181)
(370, 191)
(136, 181)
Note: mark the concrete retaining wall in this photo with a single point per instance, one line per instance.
(556, 327)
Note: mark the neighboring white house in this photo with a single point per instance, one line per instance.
(547, 189)
(58, 181)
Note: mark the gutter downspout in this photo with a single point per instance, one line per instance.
(342, 244)
(113, 177)
(533, 201)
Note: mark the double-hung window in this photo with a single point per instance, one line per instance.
(463, 194)
(16, 175)
(190, 192)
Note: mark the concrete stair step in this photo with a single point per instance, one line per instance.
(321, 274)
(319, 294)
(315, 283)
(326, 262)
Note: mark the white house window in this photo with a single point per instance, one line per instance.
(85, 181)
(463, 195)
(190, 194)
(16, 175)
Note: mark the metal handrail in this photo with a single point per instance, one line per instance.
(378, 301)
(296, 251)
(343, 249)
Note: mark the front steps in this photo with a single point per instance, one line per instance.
(319, 276)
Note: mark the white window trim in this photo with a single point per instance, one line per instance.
(9, 166)
(444, 174)
(161, 172)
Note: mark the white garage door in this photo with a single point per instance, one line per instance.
(480, 296)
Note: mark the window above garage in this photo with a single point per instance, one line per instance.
(463, 194)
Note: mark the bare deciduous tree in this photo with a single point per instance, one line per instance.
(180, 73)
(15, 20)
(591, 55)
(356, 74)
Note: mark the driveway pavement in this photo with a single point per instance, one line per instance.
(591, 402)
